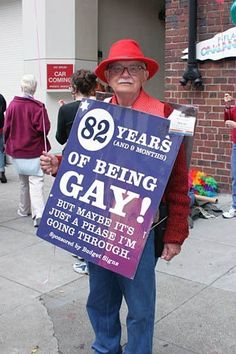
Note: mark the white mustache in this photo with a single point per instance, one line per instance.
(125, 81)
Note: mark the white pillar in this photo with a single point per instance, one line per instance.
(58, 32)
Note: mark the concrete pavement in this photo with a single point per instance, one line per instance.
(42, 300)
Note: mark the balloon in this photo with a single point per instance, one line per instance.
(220, 1)
(233, 12)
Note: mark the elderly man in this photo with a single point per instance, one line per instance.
(125, 70)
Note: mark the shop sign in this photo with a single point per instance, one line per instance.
(222, 45)
(58, 76)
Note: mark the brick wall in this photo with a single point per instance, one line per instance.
(212, 142)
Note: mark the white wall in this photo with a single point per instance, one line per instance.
(86, 29)
(139, 20)
(11, 48)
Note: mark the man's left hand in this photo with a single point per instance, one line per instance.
(230, 124)
(170, 250)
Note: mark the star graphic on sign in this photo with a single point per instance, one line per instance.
(84, 105)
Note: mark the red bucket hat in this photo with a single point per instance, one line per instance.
(126, 49)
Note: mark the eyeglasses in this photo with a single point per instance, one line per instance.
(133, 69)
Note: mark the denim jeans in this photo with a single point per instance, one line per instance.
(2, 155)
(107, 290)
(233, 174)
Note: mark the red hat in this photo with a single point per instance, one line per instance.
(126, 49)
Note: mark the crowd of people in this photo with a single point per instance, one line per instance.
(125, 71)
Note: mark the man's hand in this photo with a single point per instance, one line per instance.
(170, 250)
(230, 124)
(61, 102)
(49, 163)
(228, 100)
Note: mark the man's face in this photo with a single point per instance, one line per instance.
(126, 76)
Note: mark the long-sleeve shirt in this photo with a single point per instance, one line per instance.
(230, 114)
(25, 122)
(3, 106)
(66, 116)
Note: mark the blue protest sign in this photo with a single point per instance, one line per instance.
(109, 185)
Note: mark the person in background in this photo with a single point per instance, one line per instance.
(126, 70)
(3, 106)
(83, 84)
(230, 122)
(25, 130)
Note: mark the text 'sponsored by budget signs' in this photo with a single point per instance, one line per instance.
(108, 188)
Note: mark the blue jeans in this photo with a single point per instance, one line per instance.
(106, 292)
(233, 174)
(2, 155)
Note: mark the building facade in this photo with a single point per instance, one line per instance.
(212, 142)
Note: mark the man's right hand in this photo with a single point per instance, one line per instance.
(49, 163)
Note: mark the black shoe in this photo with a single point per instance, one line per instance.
(3, 178)
(37, 222)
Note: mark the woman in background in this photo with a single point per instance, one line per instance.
(25, 129)
(83, 84)
(3, 106)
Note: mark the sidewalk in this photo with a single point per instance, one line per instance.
(42, 300)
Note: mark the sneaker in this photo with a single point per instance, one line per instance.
(229, 214)
(3, 177)
(77, 257)
(80, 259)
(21, 214)
(37, 222)
(81, 268)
